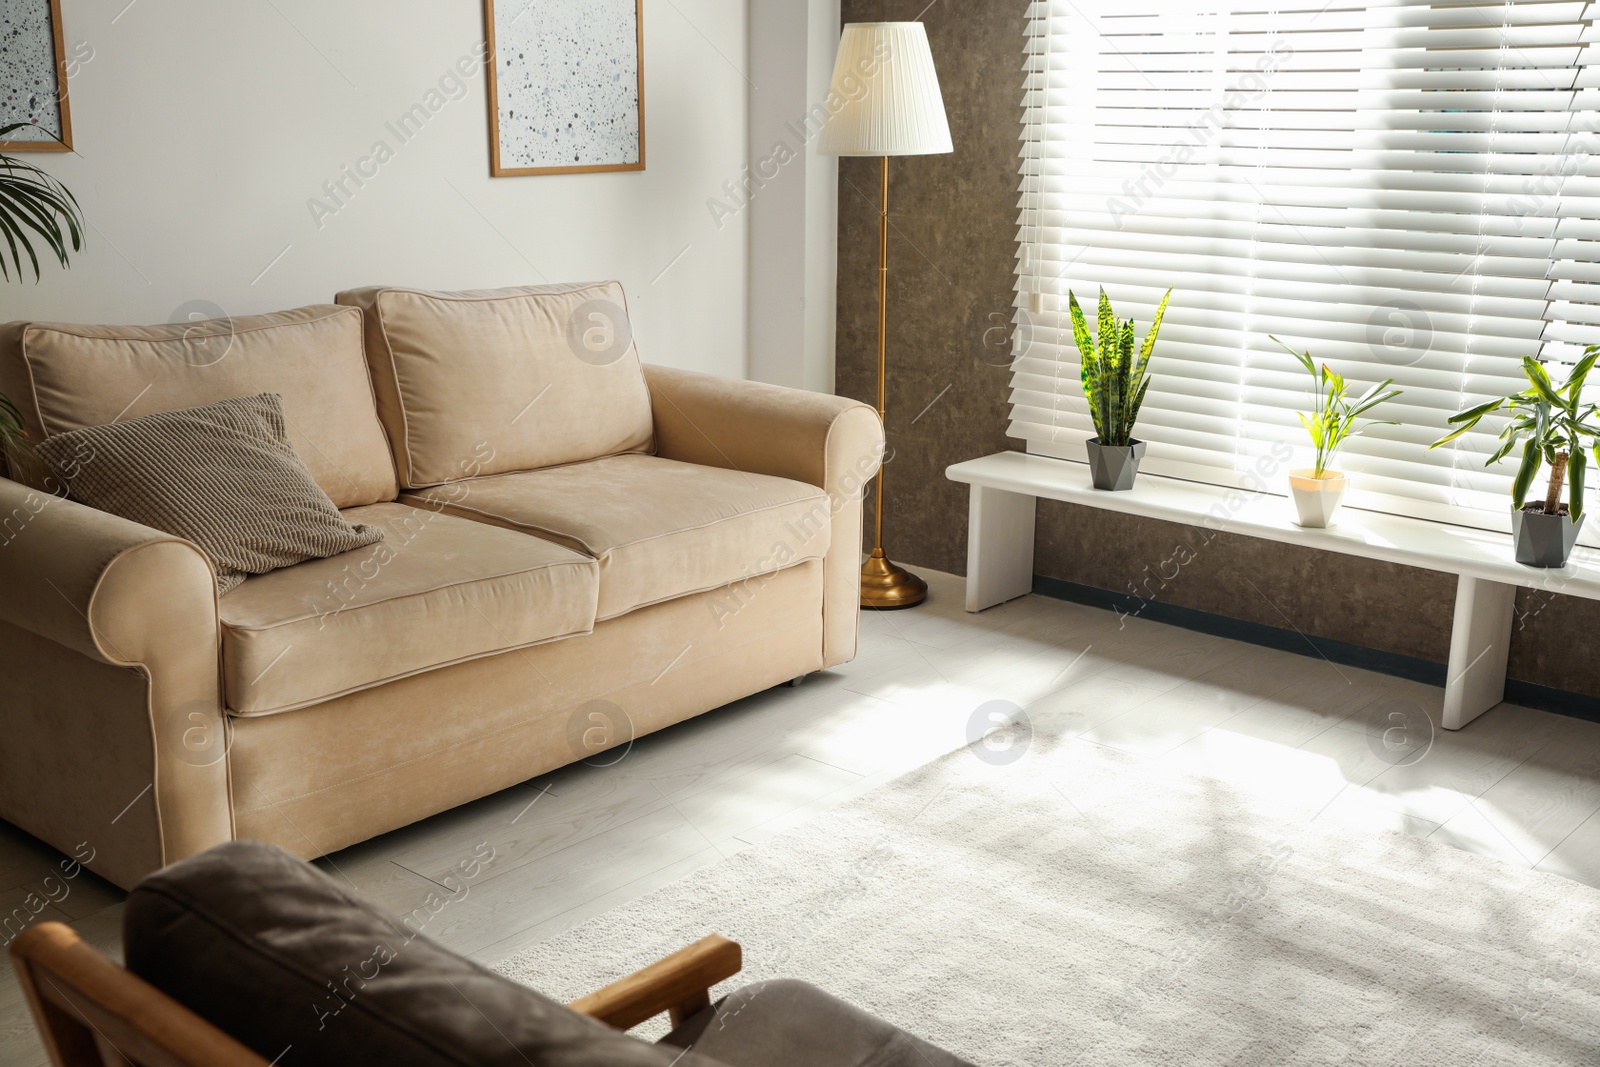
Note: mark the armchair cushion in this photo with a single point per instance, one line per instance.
(660, 529)
(223, 476)
(277, 954)
(798, 1025)
(489, 381)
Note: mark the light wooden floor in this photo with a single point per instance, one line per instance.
(1519, 785)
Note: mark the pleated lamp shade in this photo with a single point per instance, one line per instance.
(887, 94)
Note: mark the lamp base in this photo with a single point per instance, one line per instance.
(884, 585)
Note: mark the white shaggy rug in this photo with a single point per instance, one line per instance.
(1074, 908)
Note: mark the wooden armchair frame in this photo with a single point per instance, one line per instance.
(93, 1013)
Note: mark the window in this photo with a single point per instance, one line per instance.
(1408, 190)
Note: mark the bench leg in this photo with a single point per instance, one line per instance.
(1479, 646)
(999, 547)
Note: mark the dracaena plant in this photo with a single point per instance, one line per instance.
(1335, 418)
(1114, 377)
(33, 207)
(1552, 424)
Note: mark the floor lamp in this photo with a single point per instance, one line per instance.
(884, 101)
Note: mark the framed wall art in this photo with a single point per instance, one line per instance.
(566, 86)
(33, 77)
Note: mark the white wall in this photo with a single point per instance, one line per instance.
(203, 129)
(791, 194)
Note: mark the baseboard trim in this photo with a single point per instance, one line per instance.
(1527, 694)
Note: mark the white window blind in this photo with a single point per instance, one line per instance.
(1406, 189)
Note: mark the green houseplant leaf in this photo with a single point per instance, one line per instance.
(1114, 370)
(1552, 425)
(1532, 454)
(1332, 420)
(1577, 472)
(34, 206)
(33, 202)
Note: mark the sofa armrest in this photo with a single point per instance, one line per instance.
(831, 442)
(828, 441)
(101, 585)
(86, 596)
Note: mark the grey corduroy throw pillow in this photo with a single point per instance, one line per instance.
(223, 476)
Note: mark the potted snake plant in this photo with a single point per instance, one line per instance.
(1114, 384)
(1554, 427)
(1334, 419)
(33, 205)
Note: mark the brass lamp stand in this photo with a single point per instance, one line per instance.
(884, 101)
(883, 583)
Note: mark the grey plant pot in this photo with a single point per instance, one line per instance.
(1543, 540)
(1114, 466)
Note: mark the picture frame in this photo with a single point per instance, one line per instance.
(56, 43)
(613, 139)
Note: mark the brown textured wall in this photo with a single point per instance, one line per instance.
(952, 251)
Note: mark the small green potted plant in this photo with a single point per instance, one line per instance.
(1554, 427)
(30, 199)
(1114, 383)
(1334, 419)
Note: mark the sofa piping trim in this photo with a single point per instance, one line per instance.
(580, 561)
(602, 555)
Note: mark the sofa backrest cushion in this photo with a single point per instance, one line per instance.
(280, 956)
(499, 380)
(66, 377)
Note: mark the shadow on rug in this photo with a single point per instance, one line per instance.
(1072, 907)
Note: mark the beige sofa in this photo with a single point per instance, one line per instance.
(580, 549)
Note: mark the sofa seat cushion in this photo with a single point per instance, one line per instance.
(437, 590)
(660, 528)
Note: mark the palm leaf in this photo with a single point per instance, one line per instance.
(32, 200)
(1303, 357)
(14, 237)
(26, 211)
(1313, 427)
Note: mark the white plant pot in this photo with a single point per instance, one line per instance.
(1316, 499)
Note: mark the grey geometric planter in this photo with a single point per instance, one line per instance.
(1543, 540)
(1114, 466)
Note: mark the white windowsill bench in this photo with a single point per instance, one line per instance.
(1006, 488)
